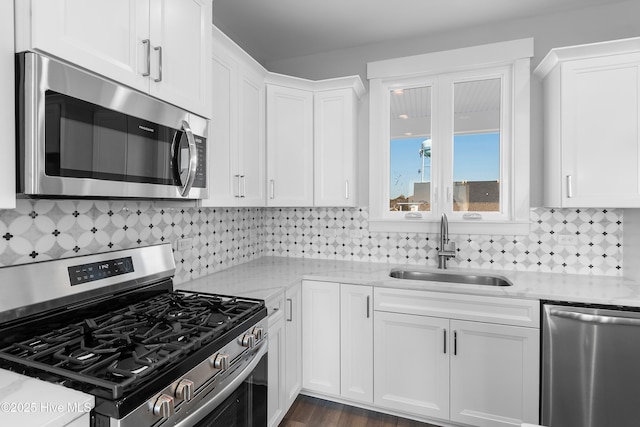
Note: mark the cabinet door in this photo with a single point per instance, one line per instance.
(411, 364)
(321, 337)
(105, 37)
(494, 374)
(275, 391)
(334, 148)
(180, 34)
(289, 147)
(356, 343)
(293, 335)
(251, 139)
(600, 124)
(222, 173)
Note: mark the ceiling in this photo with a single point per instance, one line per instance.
(271, 30)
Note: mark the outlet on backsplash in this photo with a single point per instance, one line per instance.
(567, 239)
(184, 244)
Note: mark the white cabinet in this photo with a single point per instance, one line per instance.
(285, 353)
(412, 364)
(312, 141)
(276, 399)
(493, 375)
(293, 350)
(592, 125)
(335, 144)
(7, 108)
(463, 358)
(157, 46)
(321, 337)
(356, 343)
(236, 168)
(289, 146)
(337, 340)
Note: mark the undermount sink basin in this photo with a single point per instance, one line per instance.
(432, 276)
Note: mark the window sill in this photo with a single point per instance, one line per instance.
(504, 228)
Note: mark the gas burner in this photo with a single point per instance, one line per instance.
(129, 367)
(82, 357)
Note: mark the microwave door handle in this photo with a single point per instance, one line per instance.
(193, 160)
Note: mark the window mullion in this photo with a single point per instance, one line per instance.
(444, 117)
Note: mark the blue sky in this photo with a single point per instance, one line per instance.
(475, 158)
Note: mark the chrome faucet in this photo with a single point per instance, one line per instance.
(447, 249)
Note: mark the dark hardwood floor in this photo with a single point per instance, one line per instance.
(312, 412)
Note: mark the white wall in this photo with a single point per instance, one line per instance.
(592, 24)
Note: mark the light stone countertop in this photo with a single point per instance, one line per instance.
(30, 402)
(267, 276)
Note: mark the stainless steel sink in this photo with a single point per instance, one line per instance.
(433, 276)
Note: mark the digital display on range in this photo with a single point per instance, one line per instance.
(79, 274)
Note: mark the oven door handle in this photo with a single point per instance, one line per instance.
(229, 388)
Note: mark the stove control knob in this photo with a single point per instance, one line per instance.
(220, 361)
(258, 333)
(164, 406)
(184, 390)
(248, 340)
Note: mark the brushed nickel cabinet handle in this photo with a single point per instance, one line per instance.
(159, 50)
(290, 318)
(569, 186)
(147, 44)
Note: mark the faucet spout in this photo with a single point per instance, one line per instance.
(447, 249)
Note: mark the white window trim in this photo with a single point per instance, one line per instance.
(513, 56)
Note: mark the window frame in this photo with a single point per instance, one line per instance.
(509, 61)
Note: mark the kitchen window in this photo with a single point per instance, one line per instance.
(451, 135)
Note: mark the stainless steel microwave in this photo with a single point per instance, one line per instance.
(80, 135)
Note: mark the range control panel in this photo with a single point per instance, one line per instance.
(83, 273)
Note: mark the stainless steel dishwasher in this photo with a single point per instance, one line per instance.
(590, 366)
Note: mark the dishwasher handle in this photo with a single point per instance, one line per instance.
(594, 318)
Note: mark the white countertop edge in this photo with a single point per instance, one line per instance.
(265, 277)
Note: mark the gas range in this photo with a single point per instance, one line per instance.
(118, 331)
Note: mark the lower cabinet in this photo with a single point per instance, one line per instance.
(337, 340)
(494, 376)
(276, 400)
(285, 355)
(411, 369)
(293, 344)
(463, 359)
(439, 366)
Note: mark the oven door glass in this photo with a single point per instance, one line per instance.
(246, 406)
(84, 140)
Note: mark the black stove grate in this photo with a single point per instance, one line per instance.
(114, 352)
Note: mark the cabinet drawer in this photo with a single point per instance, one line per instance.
(506, 311)
(275, 304)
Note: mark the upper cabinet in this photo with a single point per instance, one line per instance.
(592, 124)
(289, 146)
(237, 134)
(335, 144)
(157, 46)
(311, 141)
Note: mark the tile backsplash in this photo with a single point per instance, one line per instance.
(342, 233)
(49, 229)
(39, 230)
